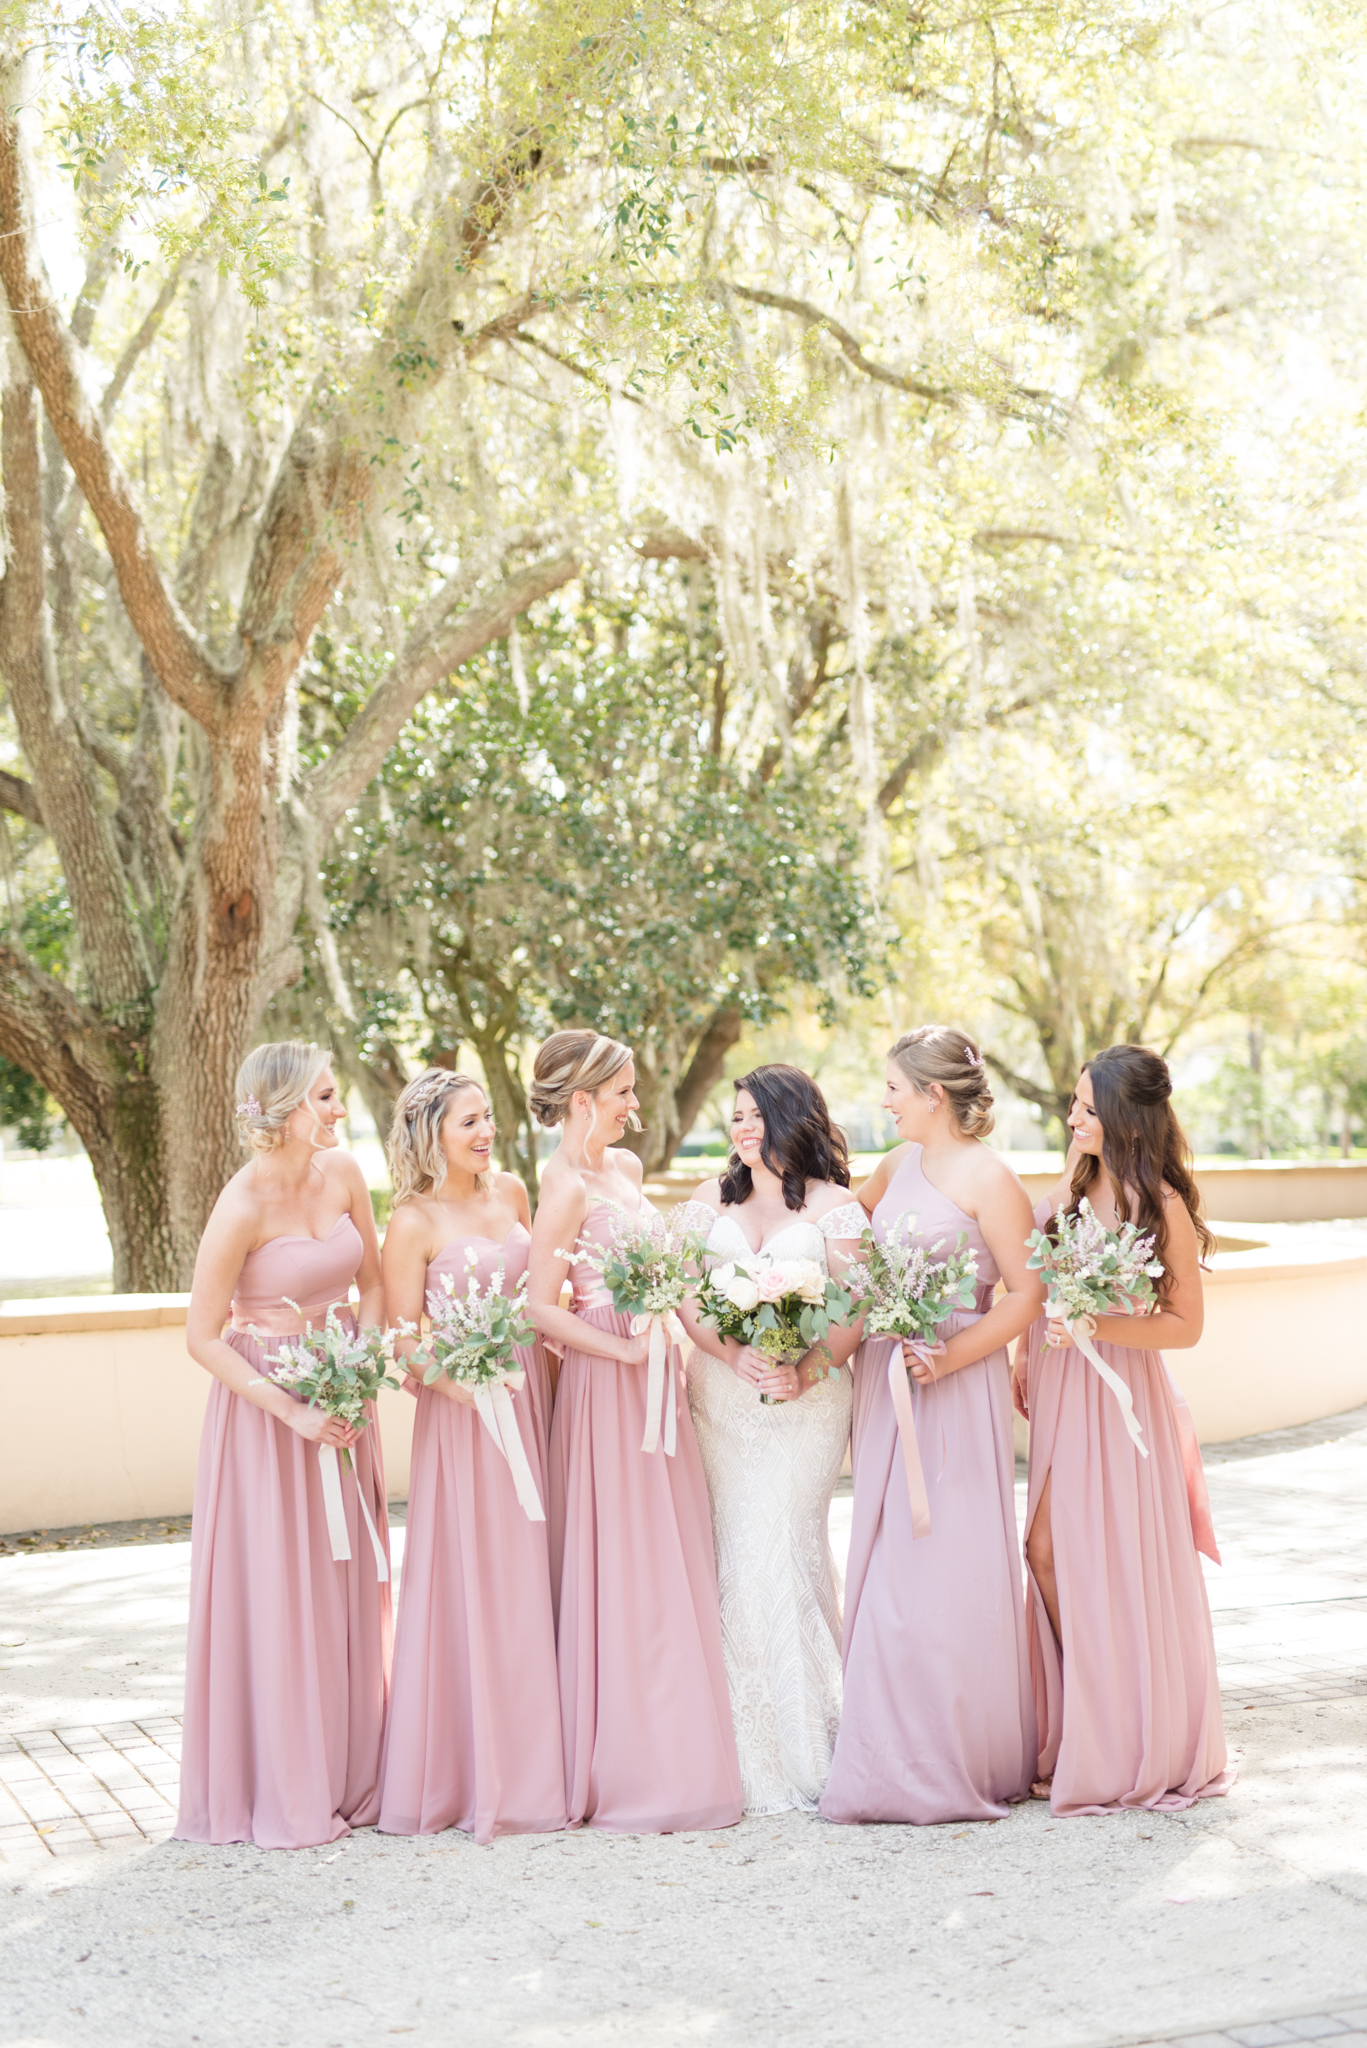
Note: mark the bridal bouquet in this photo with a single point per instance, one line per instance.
(779, 1307)
(904, 1291)
(340, 1371)
(474, 1340)
(1090, 1271)
(651, 1263)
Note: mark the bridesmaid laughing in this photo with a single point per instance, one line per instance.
(1120, 1638)
(938, 1722)
(649, 1745)
(474, 1722)
(287, 1662)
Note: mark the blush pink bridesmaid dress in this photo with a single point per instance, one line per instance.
(473, 1739)
(287, 1663)
(1129, 1710)
(938, 1722)
(649, 1743)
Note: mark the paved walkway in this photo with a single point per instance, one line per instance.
(1243, 1921)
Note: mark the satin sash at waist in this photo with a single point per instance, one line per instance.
(286, 1321)
(592, 1297)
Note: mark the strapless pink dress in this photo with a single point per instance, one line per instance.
(649, 1742)
(287, 1663)
(473, 1739)
(1129, 1714)
(938, 1722)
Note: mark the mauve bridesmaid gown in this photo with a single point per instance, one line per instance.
(649, 1743)
(473, 1739)
(1129, 1714)
(938, 1721)
(287, 1663)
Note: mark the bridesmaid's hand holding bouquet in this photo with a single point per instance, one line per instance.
(335, 1372)
(1091, 1271)
(904, 1291)
(651, 1264)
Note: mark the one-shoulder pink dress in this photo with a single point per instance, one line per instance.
(938, 1722)
(649, 1743)
(473, 1739)
(1129, 1712)
(287, 1663)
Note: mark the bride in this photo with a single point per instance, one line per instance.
(771, 1470)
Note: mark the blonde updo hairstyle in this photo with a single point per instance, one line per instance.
(272, 1082)
(568, 1062)
(417, 1157)
(938, 1054)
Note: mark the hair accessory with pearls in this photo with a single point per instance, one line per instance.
(251, 1107)
(975, 1059)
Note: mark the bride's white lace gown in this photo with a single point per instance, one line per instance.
(771, 1472)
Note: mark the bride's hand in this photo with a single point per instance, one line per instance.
(781, 1382)
(750, 1366)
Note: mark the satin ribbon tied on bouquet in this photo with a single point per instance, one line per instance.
(1082, 1329)
(336, 1513)
(665, 1331)
(494, 1406)
(900, 1388)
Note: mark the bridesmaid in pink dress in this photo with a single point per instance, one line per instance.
(473, 1740)
(938, 1721)
(287, 1664)
(649, 1743)
(1120, 1640)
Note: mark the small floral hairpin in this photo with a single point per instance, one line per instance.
(975, 1059)
(251, 1107)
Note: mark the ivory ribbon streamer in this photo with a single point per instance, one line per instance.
(494, 1406)
(660, 1390)
(336, 1514)
(1082, 1329)
(906, 1431)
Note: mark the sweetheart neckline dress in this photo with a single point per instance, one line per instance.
(288, 1652)
(939, 1720)
(771, 1473)
(648, 1742)
(473, 1735)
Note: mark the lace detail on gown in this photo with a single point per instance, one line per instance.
(771, 1472)
(849, 1220)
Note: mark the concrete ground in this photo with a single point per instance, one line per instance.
(1243, 1921)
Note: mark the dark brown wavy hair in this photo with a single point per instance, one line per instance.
(1142, 1146)
(800, 1141)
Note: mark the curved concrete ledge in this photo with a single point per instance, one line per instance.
(103, 1408)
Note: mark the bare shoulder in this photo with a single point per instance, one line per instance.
(510, 1189)
(825, 1195)
(563, 1189)
(708, 1191)
(872, 1190)
(409, 1222)
(995, 1177)
(344, 1170)
(630, 1163)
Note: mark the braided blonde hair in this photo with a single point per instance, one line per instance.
(568, 1062)
(940, 1053)
(273, 1081)
(417, 1157)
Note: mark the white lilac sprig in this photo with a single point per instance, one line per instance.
(651, 1263)
(1092, 1271)
(475, 1335)
(903, 1290)
(335, 1368)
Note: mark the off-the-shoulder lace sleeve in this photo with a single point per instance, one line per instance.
(695, 1215)
(848, 1220)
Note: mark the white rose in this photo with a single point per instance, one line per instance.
(741, 1291)
(811, 1282)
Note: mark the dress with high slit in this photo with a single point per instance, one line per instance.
(473, 1737)
(649, 1746)
(938, 1722)
(287, 1660)
(1128, 1704)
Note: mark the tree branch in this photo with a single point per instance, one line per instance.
(814, 317)
(139, 343)
(432, 649)
(21, 798)
(52, 356)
